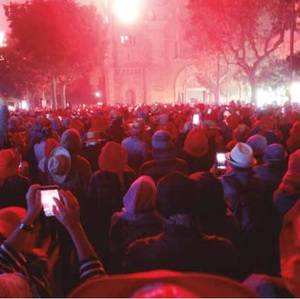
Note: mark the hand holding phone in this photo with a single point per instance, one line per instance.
(48, 196)
(221, 161)
(196, 119)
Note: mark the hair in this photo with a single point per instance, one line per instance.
(14, 285)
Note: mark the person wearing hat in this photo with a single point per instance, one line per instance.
(245, 196)
(59, 165)
(258, 144)
(106, 189)
(164, 157)
(181, 246)
(137, 148)
(273, 168)
(13, 186)
(196, 151)
(288, 192)
(80, 173)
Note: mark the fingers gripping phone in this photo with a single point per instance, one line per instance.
(221, 161)
(48, 193)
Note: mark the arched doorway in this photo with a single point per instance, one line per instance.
(189, 88)
(130, 97)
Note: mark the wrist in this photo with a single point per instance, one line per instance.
(74, 227)
(30, 218)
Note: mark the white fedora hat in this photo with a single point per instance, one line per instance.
(59, 164)
(241, 156)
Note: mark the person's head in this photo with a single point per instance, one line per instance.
(295, 130)
(294, 164)
(258, 144)
(10, 219)
(9, 163)
(14, 285)
(141, 196)
(59, 164)
(241, 133)
(275, 153)
(241, 156)
(175, 195)
(196, 143)
(138, 127)
(113, 158)
(70, 140)
(162, 145)
(210, 203)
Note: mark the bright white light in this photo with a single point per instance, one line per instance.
(98, 94)
(24, 105)
(295, 92)
(127, 11)
(270, 96)
(2, 39)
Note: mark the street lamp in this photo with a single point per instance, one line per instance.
(126, 11)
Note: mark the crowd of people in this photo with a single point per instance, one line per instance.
(141, 189)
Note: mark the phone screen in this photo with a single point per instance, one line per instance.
(221, 161)
(196, 119)
(47, 199)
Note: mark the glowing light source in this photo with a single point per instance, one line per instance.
(98, 94)
(24, 105)
(295, 92)
(269, 96)
(2, 39)
(127, 11)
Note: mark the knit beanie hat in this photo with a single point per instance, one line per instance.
(175, 195)
(161, 140)
(274, 152)
(196, 143)
(258, 143)
(70, 140)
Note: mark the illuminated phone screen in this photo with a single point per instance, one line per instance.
(47, 199)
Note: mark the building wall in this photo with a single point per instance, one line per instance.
(149, 62)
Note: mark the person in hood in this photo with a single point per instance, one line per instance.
(106, 190)
(13, 187)
(288, 192)
(181, 246)
(138, 218)
(164, 158)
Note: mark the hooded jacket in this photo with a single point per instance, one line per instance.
(138, 219)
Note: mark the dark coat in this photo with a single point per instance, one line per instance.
(183, 249)
(124, 231)
(104, 197)
(158, 168)
(13, 192)
(284, 201)
(255, 212)
(270, 174)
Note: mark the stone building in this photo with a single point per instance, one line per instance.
(149, 60)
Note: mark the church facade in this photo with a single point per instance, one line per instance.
(150, 61)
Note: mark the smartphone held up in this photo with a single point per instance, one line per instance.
(48, 194)
(221, 161)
